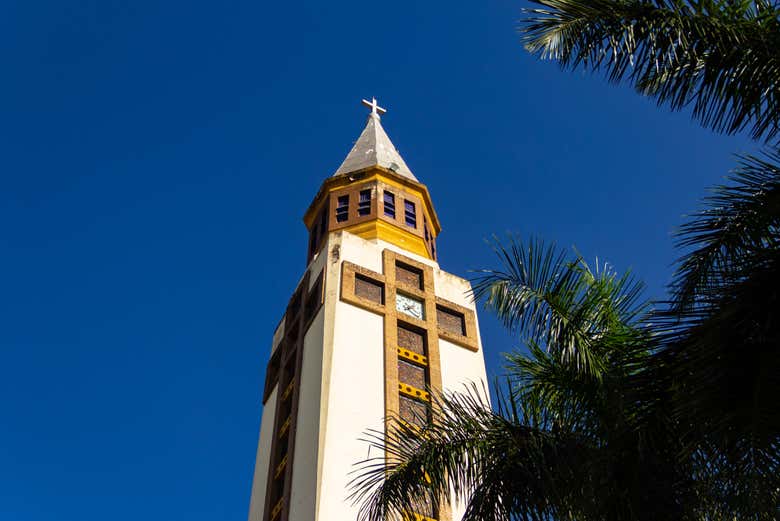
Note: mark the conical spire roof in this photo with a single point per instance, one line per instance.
(374, 148)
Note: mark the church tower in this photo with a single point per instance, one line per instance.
(373, 324)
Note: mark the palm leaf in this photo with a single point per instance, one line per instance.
(720, 57)
(720, 340)
(498, 462)
(739, 226)
(558, 302)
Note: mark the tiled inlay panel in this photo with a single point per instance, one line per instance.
(411, 374)
(411, 340)
(413, 411)
(369, 289)
(407, 275)
(451, 321)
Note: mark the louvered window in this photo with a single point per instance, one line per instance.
(342, 208)
(389, 200)
(364, 204)
(410, 214)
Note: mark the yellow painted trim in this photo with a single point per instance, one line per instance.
(277, 509)
(413, 392)
(422, 194)
(288, 391)
(284, 427)
(414, 516)
(412, 357)
(412, 427)
(280, 467)
(382, 230)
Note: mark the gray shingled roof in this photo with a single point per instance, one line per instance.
(374, 148)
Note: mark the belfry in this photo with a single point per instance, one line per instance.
(372, 328)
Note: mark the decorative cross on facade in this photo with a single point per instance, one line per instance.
(376, 110)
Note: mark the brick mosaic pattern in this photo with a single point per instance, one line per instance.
(408, 275)
(369, 289)
(411, 374)
(411, 340)
(412, 411)
(450, 321)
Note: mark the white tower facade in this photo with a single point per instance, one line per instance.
(373, 326)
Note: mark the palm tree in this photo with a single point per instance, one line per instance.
(564, 441)
(720, 334)
(722, 57)
(618, 411)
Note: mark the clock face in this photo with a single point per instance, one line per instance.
(410, 306)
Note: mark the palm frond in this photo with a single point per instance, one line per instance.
(558, 302)
(720, 339)
(720, 57)
(732, 235)
(498, 462)
(718, 362)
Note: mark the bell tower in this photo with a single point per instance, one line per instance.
(373, 326)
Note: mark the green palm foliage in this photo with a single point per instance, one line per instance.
(722, 57)
(614, 410)
(564, 441)
(721, 337)
(560, 303)
(734, 236)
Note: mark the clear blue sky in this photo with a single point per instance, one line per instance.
(156, 159)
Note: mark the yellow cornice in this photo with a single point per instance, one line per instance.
(382, 230)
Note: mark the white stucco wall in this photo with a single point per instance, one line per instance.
(301, 503)
(356, 404)
(257, 500)
(342, 386)
(461, 368)
(304, 471)
(355, 390)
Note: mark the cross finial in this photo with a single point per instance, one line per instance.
(376, 110)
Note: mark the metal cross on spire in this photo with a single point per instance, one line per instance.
(376, 110)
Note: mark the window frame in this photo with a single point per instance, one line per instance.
(342, 208)
(388, 209)
(410, 213)
(364, 205)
